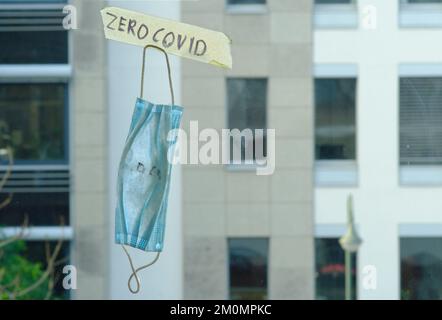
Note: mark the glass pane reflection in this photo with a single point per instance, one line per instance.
(248, 259)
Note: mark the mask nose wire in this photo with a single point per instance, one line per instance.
(135, 271)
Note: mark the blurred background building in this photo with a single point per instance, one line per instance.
(53, 111)
(352, 88)
(230, 233)
(248, 236)
(378, 111)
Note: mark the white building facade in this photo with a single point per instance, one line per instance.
(388, 50)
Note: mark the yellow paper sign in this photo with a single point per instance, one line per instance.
(174, 37)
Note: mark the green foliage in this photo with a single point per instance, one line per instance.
(405, 294)
(17, 270)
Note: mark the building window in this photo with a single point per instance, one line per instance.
(335, 14)
(41, 208)
(420, 13)
(335, 119)
(246, 101)
(330, 270)
(33, 114)
(34, 47)
(245, 2)
(420, 119)
(421, 272)
(246, 6)
(423, 1)
(333, 1)
(248, 268)
(34, 121)
(37, 40)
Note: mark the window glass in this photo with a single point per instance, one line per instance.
(32, 117)
(33, 35)
(424, 1)
(42, 209)
(420, 119)
(248, 260)
(246, 2)
(247, 99)
(335, 128)
(330, 270)
(421, 271)
(333, 1)
(32, 47)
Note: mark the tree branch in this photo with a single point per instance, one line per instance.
(18, 236)
(46, 274)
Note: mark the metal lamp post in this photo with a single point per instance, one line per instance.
(350, 243)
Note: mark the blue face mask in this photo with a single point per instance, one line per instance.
(144, 176)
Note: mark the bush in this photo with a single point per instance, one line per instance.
(18, 273)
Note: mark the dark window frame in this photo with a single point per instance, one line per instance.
(267, 263)
(417, 269)
(354, 150)
(333, 2)
(265, 115)
(246, 2)
(407, 125)
(336, 268)
(66, 129)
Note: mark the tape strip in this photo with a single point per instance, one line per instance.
(177, 38)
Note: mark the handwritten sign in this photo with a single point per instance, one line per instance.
(174, 37)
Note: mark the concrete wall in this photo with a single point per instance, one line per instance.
(219, 203)
(88, 152)
(381, 202)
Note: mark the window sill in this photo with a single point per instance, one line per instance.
(241, 167)
(247, 9)
(420, 175)
(35, 71)
(336, 173)
(417, 230)
(27, 5)
(40, 233)
(330, 230)
(336, 16)
(420, 16)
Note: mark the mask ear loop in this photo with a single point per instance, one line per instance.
(135, 271)
(168, 71)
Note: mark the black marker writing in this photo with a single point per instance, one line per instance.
(166, 38)
(131, 26)
(191, 44)
(170, 35)
(155, 34)
(203, 51)
(142, 26)
(121, 25)
(115, 18)
(181, 41)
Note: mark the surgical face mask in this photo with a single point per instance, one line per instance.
(144, 176)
